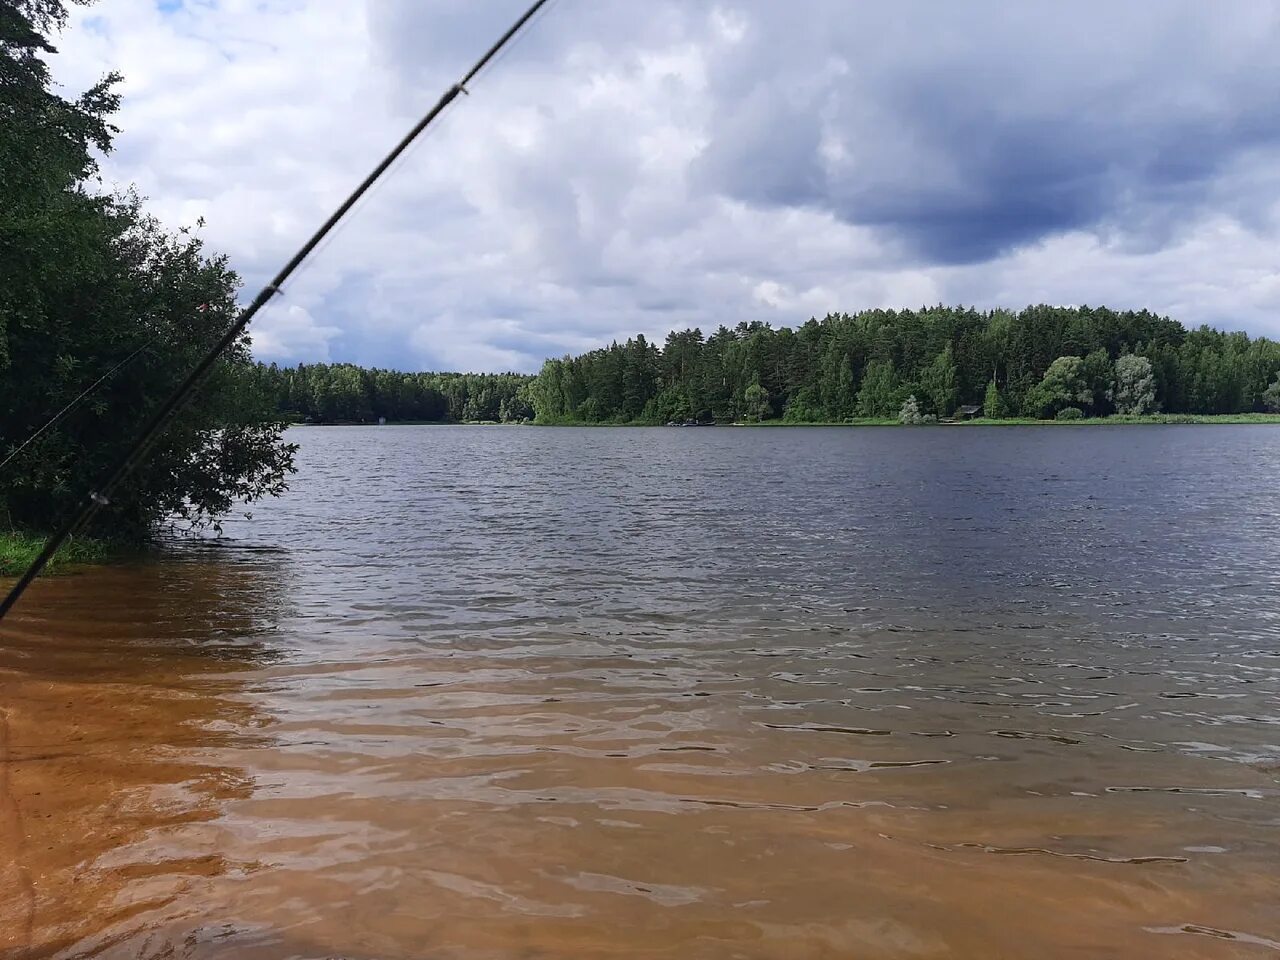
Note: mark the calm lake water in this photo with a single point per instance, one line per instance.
(736, 693)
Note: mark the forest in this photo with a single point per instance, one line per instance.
(1036, 363)
(345, 393)
(1041, 362)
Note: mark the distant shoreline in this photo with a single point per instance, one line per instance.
(1157, 419)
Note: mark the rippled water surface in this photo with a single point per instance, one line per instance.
(554, 693)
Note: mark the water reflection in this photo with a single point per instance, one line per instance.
(123, 699)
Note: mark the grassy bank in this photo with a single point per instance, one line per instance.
(18, 549)
(852, 422)
(1165, 418)
(412, 423)
(1168, 418)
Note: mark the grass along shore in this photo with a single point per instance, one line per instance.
(18, 548)
(1147, 418)
(1113, 419)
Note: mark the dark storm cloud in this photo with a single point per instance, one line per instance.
(959, 131)
(984, 128)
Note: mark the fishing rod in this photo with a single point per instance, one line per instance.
(100, 497)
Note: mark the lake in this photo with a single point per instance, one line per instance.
(490, 692)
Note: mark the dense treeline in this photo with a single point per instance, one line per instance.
(1038, 362)
(342, 392)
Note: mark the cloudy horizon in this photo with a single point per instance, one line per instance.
(636, 169)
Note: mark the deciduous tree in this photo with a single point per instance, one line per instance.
(1134, 389)
(88, 278)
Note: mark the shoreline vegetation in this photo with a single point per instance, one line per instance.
(1146, 419)
(102, 311)
(1038, 364)
(19, 547)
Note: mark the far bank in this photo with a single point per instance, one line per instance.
(1112, 420)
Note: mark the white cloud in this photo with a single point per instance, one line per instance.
(289, 333)
(1242, 288)
(642, 167)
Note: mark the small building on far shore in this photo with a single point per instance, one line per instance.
(969, 411)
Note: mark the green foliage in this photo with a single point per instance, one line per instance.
(344, 393)
(866, 364)
(1219, 418)
(910, 414)
(993, 405)
(878, 396)
(1134, 389)
(1063, 385)
(756, 402)
(88, 278)
(18, 549)
(1097, 373)
(1271, 396)
(938, 381)
(804, 407)
(1069, 413)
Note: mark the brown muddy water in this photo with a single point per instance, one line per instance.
(550, 693)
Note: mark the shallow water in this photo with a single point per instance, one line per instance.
(805, 693)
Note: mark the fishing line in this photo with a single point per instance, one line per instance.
(504, 52)
(416, 146)
(101, 496)
(74, 403)
(363, 202)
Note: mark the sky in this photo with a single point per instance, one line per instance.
(638, 167)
